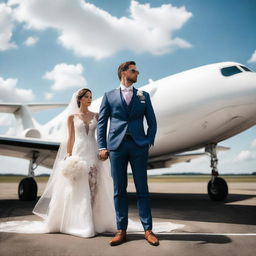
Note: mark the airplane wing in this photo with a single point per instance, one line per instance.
(47, 151)
(26, 148)
(13, 107)
(165, 161)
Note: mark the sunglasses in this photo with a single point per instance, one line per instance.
(133, 70)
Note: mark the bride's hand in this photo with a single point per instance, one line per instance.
(103, 154)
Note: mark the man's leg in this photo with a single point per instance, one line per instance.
(119, 162)
(138, 159)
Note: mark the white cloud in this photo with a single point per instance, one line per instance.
(253, 58)
(66, 76)
(31, 41)
(6, 120)
(48, 95)
(90, 31)
(253, 144)
(6, 27)
(245, 155)
(11, 131)
(10, 93)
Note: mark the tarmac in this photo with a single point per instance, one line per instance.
(210, 228)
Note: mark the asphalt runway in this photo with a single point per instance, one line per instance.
(210, 228)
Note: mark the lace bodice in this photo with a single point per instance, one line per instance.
(81, 126)
(85, 145)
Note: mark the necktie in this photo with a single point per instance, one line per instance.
(127, 93)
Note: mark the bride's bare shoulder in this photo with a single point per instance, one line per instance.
(70, 118)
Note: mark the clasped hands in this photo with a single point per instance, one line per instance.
(103, 154)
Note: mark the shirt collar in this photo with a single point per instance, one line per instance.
(124, 87)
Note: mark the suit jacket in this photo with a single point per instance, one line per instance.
(125, 119)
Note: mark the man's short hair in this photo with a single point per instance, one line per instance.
(123, 67)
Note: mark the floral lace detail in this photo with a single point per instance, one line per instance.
(88, 122)
(92, 178)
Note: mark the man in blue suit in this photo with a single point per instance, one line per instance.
(127, 141)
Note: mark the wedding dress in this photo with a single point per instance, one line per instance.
(78, 199)
(81, 204)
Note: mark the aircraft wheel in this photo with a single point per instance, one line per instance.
(27, 189)
(218, 190)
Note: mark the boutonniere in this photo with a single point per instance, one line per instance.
(140, 95)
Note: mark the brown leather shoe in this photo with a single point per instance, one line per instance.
(119, 238)
(151, 238)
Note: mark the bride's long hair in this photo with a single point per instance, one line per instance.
(42, 206)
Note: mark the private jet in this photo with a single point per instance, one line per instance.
(195, 109)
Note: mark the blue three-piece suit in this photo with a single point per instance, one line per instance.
(127, 142)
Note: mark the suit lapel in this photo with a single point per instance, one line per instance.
(120, 99)
(133, 101)
(123, 100)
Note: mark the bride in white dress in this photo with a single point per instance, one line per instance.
(78, 198)
(82, 201)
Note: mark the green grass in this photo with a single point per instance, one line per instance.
(174, 178)
(5, 179)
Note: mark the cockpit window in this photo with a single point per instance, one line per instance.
(230, 71)
(245, 68)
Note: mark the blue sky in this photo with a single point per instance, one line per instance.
(85, 41)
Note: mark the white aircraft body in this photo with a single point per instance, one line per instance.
(195, 109)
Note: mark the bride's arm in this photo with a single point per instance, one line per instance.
(71, 135)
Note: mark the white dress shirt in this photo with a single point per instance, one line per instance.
(127, 93)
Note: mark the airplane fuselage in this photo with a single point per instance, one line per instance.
(201, 106)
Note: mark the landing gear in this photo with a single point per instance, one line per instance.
(217, 187)
(27, 190)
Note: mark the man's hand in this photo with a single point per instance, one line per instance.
(103, 154)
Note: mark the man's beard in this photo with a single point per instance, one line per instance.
(130, 80)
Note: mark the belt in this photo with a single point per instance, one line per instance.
(127, 137)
